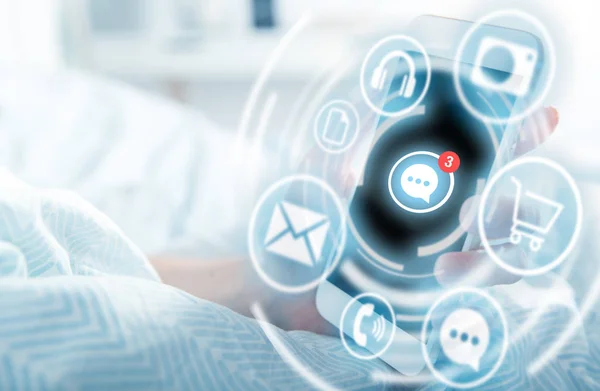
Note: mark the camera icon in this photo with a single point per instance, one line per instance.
(519, 66)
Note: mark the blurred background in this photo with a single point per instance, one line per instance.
(207, 53)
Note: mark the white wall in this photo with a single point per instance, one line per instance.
(30, 34)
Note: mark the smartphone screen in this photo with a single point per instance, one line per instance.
(391, 247)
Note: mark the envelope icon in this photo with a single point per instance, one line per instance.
(296, 233)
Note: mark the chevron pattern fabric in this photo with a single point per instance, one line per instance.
(82, 309)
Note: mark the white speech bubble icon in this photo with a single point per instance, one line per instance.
(419, 181)
(465, 337)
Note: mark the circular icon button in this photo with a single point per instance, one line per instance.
(336, 126)
(471, 332)
(395, 75)
(369, 320)
(297, 233)
(536, 204)
(512, 73)
(417, 183)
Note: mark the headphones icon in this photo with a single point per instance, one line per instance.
(408, 81)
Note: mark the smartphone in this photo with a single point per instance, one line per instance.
(392, 251)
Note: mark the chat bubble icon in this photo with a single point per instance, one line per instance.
(419, 181)
(465, 337)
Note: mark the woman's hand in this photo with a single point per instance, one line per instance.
(234, 283)
(451, 267)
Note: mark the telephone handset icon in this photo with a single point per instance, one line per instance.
(364, 311)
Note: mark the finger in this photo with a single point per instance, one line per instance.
(499, 216)
(297, 313)
(313, 321)
(536, 129)
(476, 268)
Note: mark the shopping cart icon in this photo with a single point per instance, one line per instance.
(534, 230)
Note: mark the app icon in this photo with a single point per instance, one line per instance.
(465, 337)
(534, 230)
(301, 240)
(468, 331)
(409, 80)
(536, 204)
(370, 321)
(377, 331)
(297, 233)
(515, 67)
(395, 75)
(522, 60)
(336, 126)
(419, 181)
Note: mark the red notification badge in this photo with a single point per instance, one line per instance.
(449, 162)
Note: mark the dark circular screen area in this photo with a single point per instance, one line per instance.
(393, 232)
